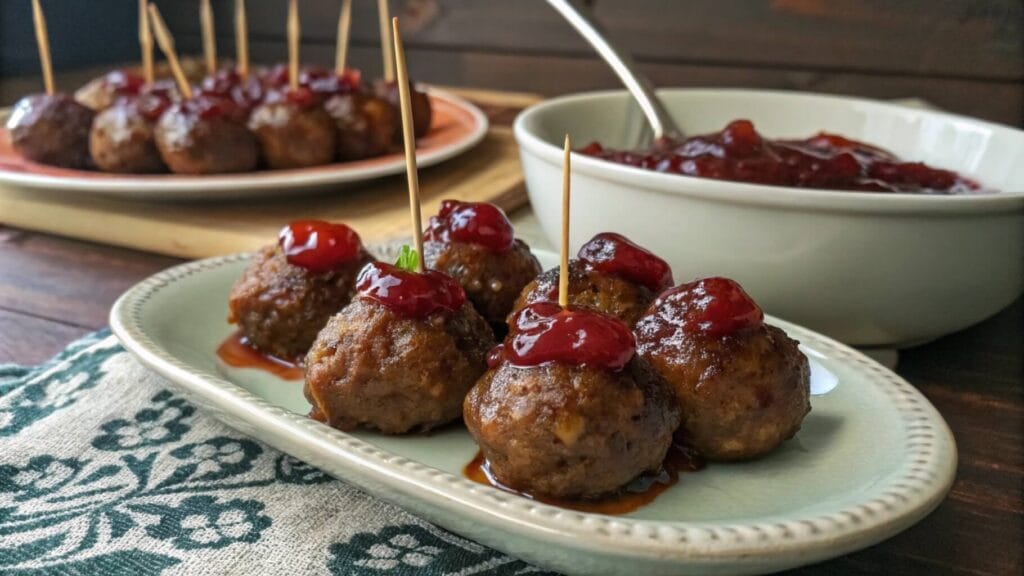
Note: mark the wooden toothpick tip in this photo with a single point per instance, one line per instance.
(344, 25)
(383, 14)
(43, 42)
(293, 44)
(166, 43)
(563, 270)
(241, 40)
(410, 141)
(209, 39)
(146, 43)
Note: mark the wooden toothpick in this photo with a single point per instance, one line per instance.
(166, 43)
(209, 39)
(563, 271)
(385, 40)
(146, 43)
(410, 142)
(293, 44)
(43, 41)
(344, 24)
(241, 40)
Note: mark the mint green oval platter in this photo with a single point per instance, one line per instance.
(873, 456)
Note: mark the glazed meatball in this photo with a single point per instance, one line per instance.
(365, 125)
(293, 135)
(122, 139)
(280, 307)
(589, 288)
(51, 129)
(743, 386)
(375, 368)
(568, 426)
(205, 136)
(101, 93)
(422, 113)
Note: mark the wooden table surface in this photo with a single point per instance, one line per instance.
(53, 290)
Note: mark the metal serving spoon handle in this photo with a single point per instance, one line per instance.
(624, 67)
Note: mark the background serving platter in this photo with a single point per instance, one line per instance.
(457, 126)
(872, 458)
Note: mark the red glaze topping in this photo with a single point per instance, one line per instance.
(472, 223)
(411, 294)
(715, 306)
(303, 97)
(319, 246)
(226, 83)
(210, 107)
(331, 84)
(123, 82)
(739, 153)
(615, 254)
(545, 332)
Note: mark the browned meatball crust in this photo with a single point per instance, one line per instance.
(51, 129)
(365, 125)
(571, 432)
(741, 394)
(492, 280)
(280, 308)
(422, 113)
(291, 136)
(590, 289)
(189, 144)
(122, 141)
(371, 367)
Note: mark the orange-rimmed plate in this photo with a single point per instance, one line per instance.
(457, 127)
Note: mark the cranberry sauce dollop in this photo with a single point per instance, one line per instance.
(739, 153)
(411, 294)
(615, 254)
(124, 82)
(227, 83)
(472, 223)
(715, 306)
(319, 246)
(545, 332)
(210, 107)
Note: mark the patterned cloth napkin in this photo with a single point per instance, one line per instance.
(106, 470)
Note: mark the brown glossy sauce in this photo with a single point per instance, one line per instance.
(640, 492)
(236, 351)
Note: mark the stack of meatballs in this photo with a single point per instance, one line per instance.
(118, 123)
(576, 402)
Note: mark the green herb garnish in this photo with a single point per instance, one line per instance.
(408, 259)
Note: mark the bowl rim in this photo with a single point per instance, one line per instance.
(760, 194)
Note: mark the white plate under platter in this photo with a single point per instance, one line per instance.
(458, 126)
(873, 457)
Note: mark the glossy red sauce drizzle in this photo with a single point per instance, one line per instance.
(545, 332)
(716, 306)
(828, 161)
(236, 351)
(411, 294)
(124, 82)
(319, 246)
(227, 83)
(615, 254)
(638, 493)
(472, 223)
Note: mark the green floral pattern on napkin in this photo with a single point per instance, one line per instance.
(105, 470)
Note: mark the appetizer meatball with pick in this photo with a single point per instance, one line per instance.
(611, 274)
(291, 289)
(205, 135)
(743, 386)
(122, 138)
(51, 129)
(422, 113)
(365, 125)
(475, 243)
(567, 410)
(400, 357)
(101, 93)
(293, 130)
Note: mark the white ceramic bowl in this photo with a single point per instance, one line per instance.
(865, 268)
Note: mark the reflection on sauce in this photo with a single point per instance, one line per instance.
(637, 494)
(236, 351)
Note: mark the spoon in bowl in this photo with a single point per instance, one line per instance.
(661, 123)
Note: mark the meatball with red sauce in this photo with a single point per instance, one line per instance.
(743, 385)
(422, 113)
(399, 358)
(475, 243)
(293, 130)
(101, 93)
(122, 139)
(610, 274)
(205, 135)
(290, 290)
(567, 410)
(51, 129)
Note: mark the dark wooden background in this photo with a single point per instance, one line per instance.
(965, 56)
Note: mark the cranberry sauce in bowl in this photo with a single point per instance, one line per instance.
(826, 161)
